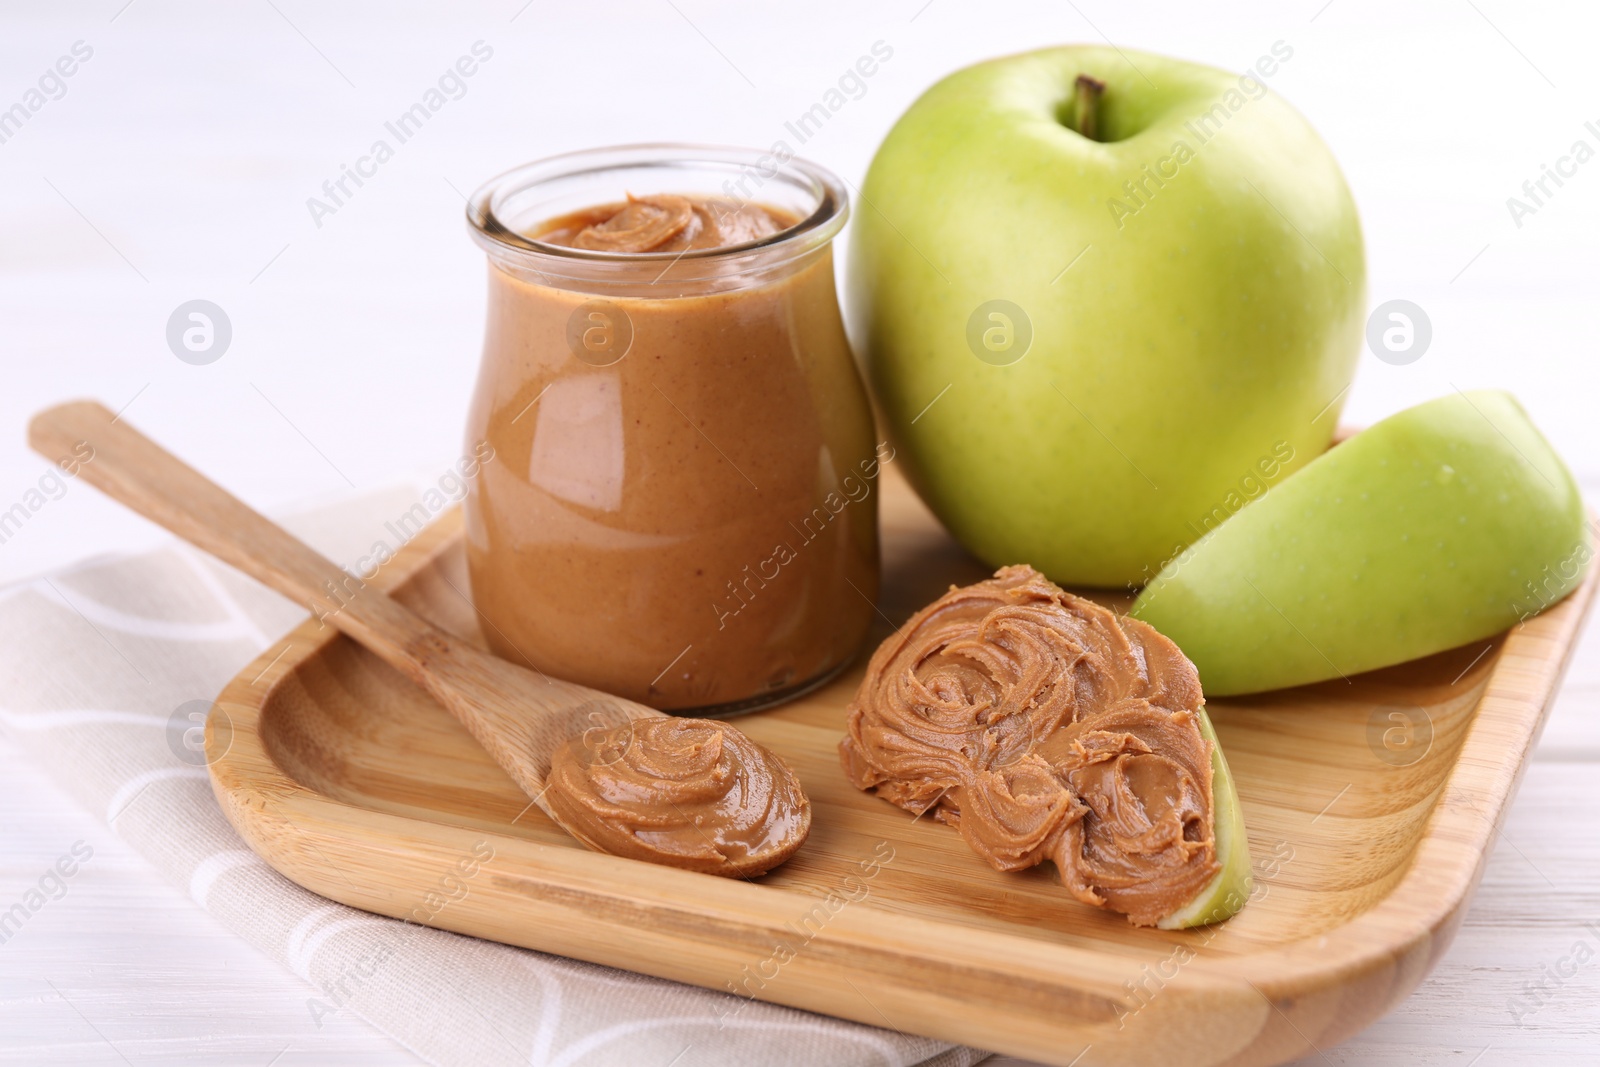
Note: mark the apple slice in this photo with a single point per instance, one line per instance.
(1046, 727)
(1441, 525)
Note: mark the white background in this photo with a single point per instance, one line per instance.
(178, 165)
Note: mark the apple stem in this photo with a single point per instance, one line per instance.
(1086, 98)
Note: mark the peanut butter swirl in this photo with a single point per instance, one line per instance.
(691, 793)
(665, 223)
(1044, 726)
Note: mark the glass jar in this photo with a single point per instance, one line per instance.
(681, 507)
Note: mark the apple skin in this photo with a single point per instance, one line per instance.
(1191, 342)
(1443, 524)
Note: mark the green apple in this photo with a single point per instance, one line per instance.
(1226, 893)
(1088, 348)
(1441, 525)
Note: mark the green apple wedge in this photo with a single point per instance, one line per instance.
(1226, 893)
(1092, 319)
(1443, 524)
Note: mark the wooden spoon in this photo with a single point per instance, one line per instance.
(519, 717)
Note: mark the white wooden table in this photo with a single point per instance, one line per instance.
(177, 162)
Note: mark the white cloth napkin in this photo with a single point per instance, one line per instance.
(103, 670)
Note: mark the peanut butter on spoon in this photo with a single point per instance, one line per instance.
(1046, 727)
(692, 793)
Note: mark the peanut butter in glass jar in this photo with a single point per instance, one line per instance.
(682, 504)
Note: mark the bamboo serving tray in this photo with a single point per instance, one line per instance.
(1371, 806)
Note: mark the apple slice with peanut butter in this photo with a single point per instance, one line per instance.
(1046, 727)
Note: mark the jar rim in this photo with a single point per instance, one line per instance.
(819, 226)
